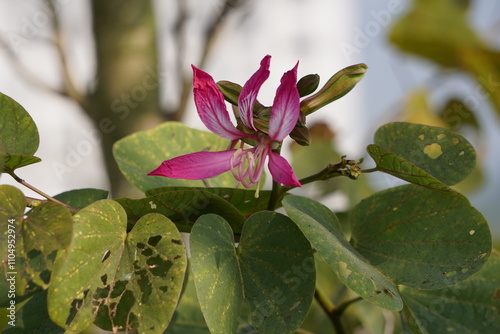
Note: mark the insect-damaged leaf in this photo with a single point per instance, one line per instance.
(444, 154)
(322, 228)
(37, 239)
(130, 281)
(420, 237)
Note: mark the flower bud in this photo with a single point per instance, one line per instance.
(308, 84)
(338, 85)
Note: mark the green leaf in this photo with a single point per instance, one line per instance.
(468, 307)
(129, 280)
(216, 273)
(277, 273)
(183, 207)
(395, 165)
(33, 317)
(80, 198)
(421, 238)
(142, 152)
(444, 154)
(243, 199)
(322, 228)
(14, 161)
(18, 132)
(277, 266)
(187, 317)
(42, 234)
(337, 86)
(436, 30)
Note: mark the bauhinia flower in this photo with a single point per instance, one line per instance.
(246, 164)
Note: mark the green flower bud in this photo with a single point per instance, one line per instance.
(339, 84)
(308, 84)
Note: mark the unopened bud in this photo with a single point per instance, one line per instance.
(339, 84)
(308, 84)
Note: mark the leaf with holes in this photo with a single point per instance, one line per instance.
(277, 273)
(471, 306)
(129, 281)
(141, 152)
(36, 238)
(42, 234)
(183, 207)
(419, 237)
(444, 154)
(322, 228)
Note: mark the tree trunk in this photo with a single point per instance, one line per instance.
(126, 91)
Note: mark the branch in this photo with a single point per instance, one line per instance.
(27, 74)
(69, 89)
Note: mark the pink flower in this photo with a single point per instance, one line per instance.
(246, 164)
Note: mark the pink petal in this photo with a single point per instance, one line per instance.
(281, 171)
(196, 166)
(211, 107)
(250, 90)
(286, 107)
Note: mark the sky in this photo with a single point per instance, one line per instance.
(323, 35)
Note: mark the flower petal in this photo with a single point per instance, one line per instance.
(281, 170)
(249, 92)
(196, 166)
(286, 107)
(211, 106)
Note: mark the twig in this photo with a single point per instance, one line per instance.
(69, 89)
(38, 191)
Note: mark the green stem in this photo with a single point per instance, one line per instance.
(38, 191)
(330, 310)
(275, 194)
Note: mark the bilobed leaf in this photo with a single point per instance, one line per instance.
(141, 152)
(18, 132)
(471, 306)
(130, 281)
(14, 161)
(277, 266)
(442, 153)
(243, 199)
(277, 273)
(216, 273)
(419, 237)
(183, 207)
(80, 198)
(321, 227)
